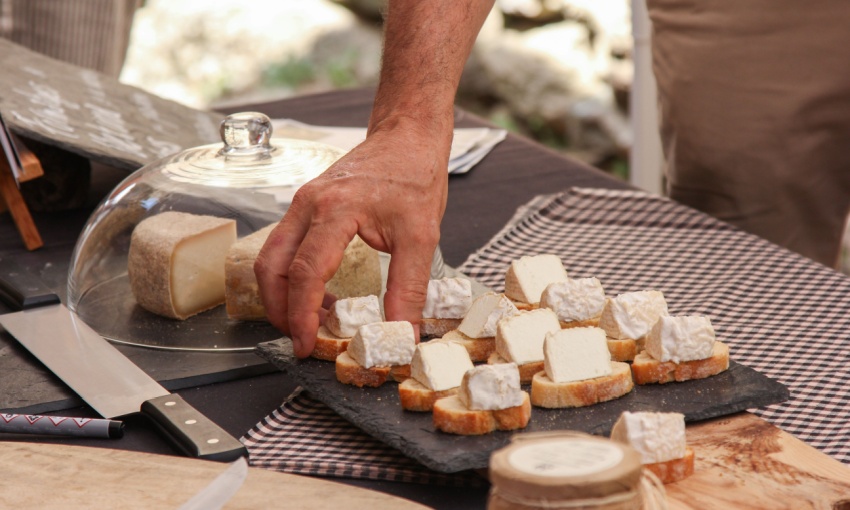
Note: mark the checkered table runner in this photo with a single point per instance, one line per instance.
(780, 313)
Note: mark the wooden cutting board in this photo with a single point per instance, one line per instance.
(743, 461)
(75, 477)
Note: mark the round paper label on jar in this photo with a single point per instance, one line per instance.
(566, 457)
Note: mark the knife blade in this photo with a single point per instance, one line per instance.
(106, 379)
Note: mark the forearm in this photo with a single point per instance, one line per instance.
(426, 44)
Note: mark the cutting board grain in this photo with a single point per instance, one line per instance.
(39, 476)
(744, 462)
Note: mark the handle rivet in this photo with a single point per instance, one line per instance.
(171, 403)
(191, 422)
(212, 441)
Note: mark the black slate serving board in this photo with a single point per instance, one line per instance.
(377, 410)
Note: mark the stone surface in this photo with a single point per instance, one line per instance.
(378, 411)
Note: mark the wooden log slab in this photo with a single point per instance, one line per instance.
(743, 461)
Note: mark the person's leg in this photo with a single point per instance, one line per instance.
(755, 107)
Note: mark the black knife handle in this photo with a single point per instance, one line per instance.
(192, 432)
(22, 290)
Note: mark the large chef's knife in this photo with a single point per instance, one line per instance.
(109, 382)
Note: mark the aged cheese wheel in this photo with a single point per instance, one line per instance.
(242, 294)
(176, 262)
(359, 274)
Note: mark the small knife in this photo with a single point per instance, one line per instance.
(109, 382)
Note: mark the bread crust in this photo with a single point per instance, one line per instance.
(552, 395)
(479, 349)
(451, 416)
(430, 328)
(586, 323)
(329, 346)
(526, 371)
(415, 396)
(349, 371)
(522, 305)
(624, 350)
(673, 470)
(648, 370)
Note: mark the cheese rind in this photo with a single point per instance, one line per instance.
(657, 437)
(346, 315)
(527, 277)
(242, 293)
(491, 387)
(486, 311)
(682, 338)
(574, 299)
(631, 315)
(440, 365)
(520, 338)
(576, 354)
(383, 344)
(447, 298)
(176, 262)
(359, 273)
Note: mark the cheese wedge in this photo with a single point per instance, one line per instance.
(241, 292)
(176, 262)
(359, 273)
(491, 387)
(345, 316)
(576, 354)
(440, 365)
(520, 338)
(657, 437)
(486, 311)
(679, 339)
(574, 299)
(632, 315)
(527, 277)
(448, 298)
(383, 344)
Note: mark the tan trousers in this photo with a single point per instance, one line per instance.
(755, 106)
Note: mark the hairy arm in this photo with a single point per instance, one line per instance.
(391, 189)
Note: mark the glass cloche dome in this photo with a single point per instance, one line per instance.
(250, 179)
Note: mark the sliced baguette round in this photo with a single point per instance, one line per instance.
(526, 371)
(328, 346)
(479, 349)
(673, 470)
(522, 306)
(586, 323)
(648, 370)
(415, 396)
(546, 393)
(431, 328)
(450, 415)
(623, 350)
(348, 371)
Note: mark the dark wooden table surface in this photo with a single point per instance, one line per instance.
(480, 203)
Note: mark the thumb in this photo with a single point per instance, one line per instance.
(407, 283)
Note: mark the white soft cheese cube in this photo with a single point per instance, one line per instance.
(576, 354)
(383, 344)
(574, 299)
(345, 316)
(520, 338)
(448, 298)
(683, 338)
(527, 277)
(657, 437)
(486, 311)
(440, 365)
(491, 387)
(631, 315)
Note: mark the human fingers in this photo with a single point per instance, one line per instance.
(407, 278)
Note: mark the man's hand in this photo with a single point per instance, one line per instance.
(391, 190)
